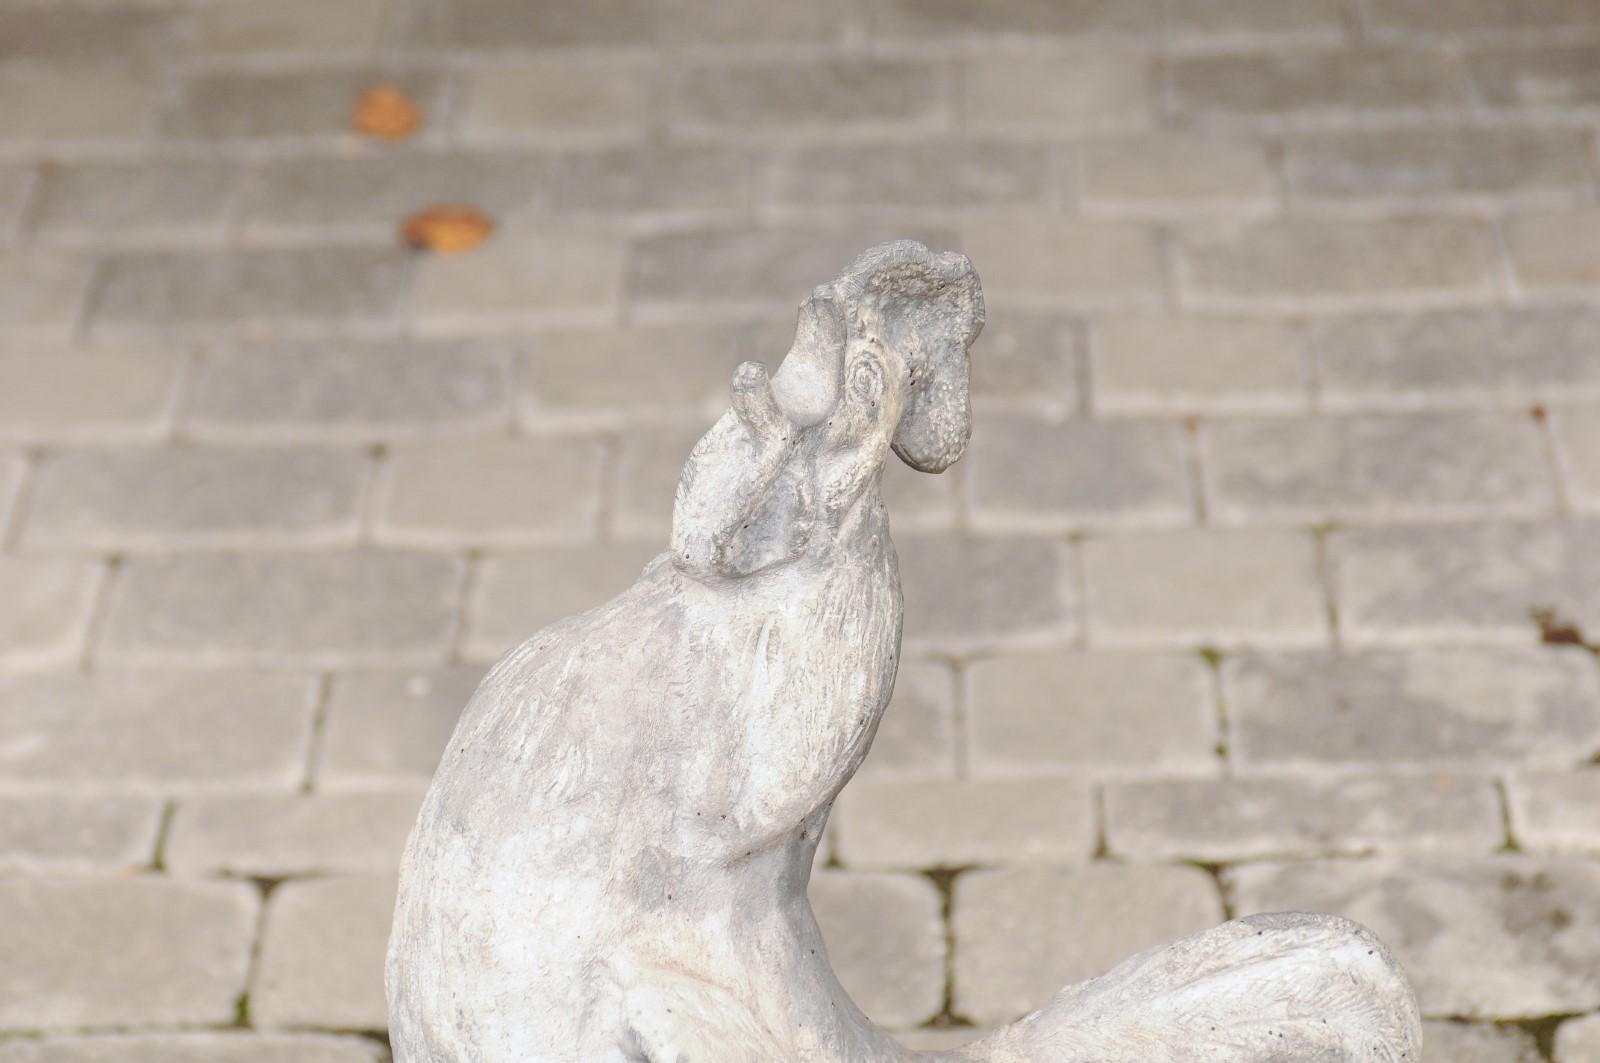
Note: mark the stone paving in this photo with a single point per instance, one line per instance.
(1271, 580)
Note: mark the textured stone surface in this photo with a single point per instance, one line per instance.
(1464, 581)
(196, 497)
(1310, 85)
(1552, 251)
(493, 492)
(1365, 467)
(1203, 587)
(42, 293)
(1164, 365)
(515, 595)
(963, 590)
(72, 831)
(1044, 260)
(1440, 162)
(1234, 819)
(511, 281)
(275, 836)
(48, 607)
(51, 392)
(1578, 1040)
(89, 951)
(1168, 174)
(390, 726)
(91, 203)
(153, 730)
(1577, 439)
(1458, 357)
(321, 963)
(331, 608)
(1095, 713)
(238, 1047)
(1100, 472)
(1536, 917)
(954, 824)
(1434, 707)
(1556, 811)
(1459, 1042)
(1092, 88)
(570, 97)
(1029, 931)
(885, 939)
(917, 737)
(349, 390)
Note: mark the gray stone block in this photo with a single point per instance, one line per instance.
(1376, 467)
(1556, 251)
(92, 951)
(964, 591)
(42, 293)
(957, 823)
(518, 280)
(1463, 1042)
(1091, 88)
(283, 835)
(51, 392)
(387, 727)
(49, 605)
(322, 946)
(99, 104)
(242, 1046)
(509, 24)
(1034, 475)
(515, 595)
(1464, 581)
(161, 498)
(1093, 714)
(834, 93)
(1471, 707)
(1204, 587)
(1023, 933)
(1065, 262)
(350, 390)
(1304, 85)
(166, 202)
(1227, 820)
(1556, 811)
(1176, 175)
(328, 609)
(1551, 75)
(886, 941)
(69, 831)
(500, 492)
(917, 735)
(1440, 164)
(560, 96)
(227, 104)
(938, 176)
(1578, 1040)
(1188, 365)
(278, 288)
(157, 731)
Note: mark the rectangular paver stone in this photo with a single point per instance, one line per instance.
(558, 96)
(1067, 262)
(1363, 467)
(960, 822)
(1442, 163)
(917, 735)
(42, 293)
(886, 942)
(515, 595)
(1090, 714)
(1482, 706)
(142, 498)
(1204, 586)
(164, 202)
(939, 175)
(1458, 357)
(1023, 933)
(1465, 581)
(1197, 364)
(1227, 820)
(1037, 475)
(964, 591)
(385, 727)
(615, 375)
(1576, 431)
(243, 1046)
(48, 606)
(100, 102)
(830, 93)
(229, 104)
(350, 390)
(1537, 918)
(1301, 85)
(518, 279)
(322, 954)
(1556, 811)
(325, 608)
(1091, 88)
(87, 951)
(511, 24)
(491, 491)
(1176, 174)
(153, 730)
(228, 28)
(163, 290)
(1578, 1040)
(280, 835)
(51, 392)
(73, 831)
(1318, 263)
(1471, 1042)
(1546, 75)
(1556, 252)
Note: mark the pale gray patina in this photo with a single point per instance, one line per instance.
(611, 864)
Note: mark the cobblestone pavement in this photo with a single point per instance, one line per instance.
(1265, 584)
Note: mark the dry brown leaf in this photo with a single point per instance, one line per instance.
(385, 112)
(447, 229)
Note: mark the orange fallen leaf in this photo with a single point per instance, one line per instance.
(385, 112)
(447, 229)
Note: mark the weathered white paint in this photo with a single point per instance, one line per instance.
(611, 863)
